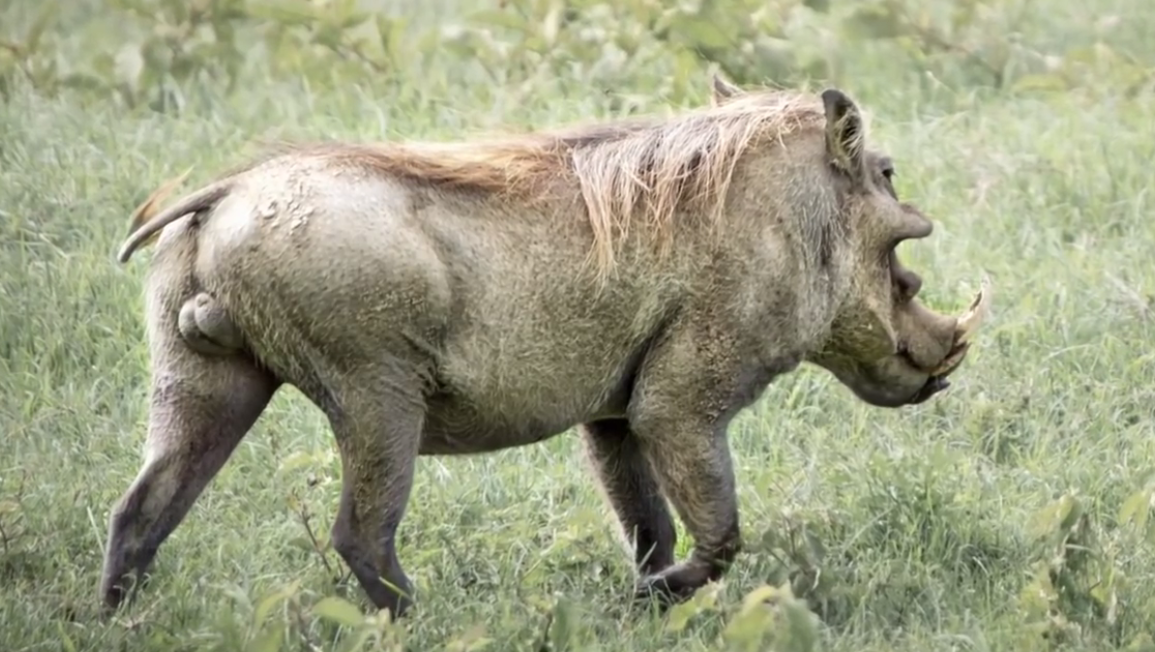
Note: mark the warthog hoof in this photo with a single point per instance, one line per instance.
(119, 590)
(675, 584)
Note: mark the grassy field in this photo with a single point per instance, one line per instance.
(1006, 514)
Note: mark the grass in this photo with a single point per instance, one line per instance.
(928, 528)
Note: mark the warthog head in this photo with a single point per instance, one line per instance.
(887, 347)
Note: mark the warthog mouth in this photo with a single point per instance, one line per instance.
(965, 328)
(938, 380)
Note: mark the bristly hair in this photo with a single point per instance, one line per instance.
(647, 168)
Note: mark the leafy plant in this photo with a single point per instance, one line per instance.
(176, 46)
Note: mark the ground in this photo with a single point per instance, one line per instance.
(926, 528)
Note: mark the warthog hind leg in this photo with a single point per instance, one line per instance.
(377, 421)
(630, 488)
(200, 410)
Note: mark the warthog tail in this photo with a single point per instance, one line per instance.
(196, 202)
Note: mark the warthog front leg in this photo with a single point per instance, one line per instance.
(624, 473)
(200, 409)
(692, 461)
(378, 424)
(688, 390)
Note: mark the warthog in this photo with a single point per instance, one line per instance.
(642, 280)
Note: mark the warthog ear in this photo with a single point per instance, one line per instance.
(722, 90)
(844, 133)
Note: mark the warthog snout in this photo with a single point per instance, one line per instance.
(928, 348)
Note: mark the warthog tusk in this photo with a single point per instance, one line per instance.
(967, 325)
(970, 321)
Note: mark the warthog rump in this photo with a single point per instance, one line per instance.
(642, 280)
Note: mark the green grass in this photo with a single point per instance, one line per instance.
(928, 524)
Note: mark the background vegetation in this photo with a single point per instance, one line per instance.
(1011, 513)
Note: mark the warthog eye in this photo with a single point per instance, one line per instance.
(887, 169)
